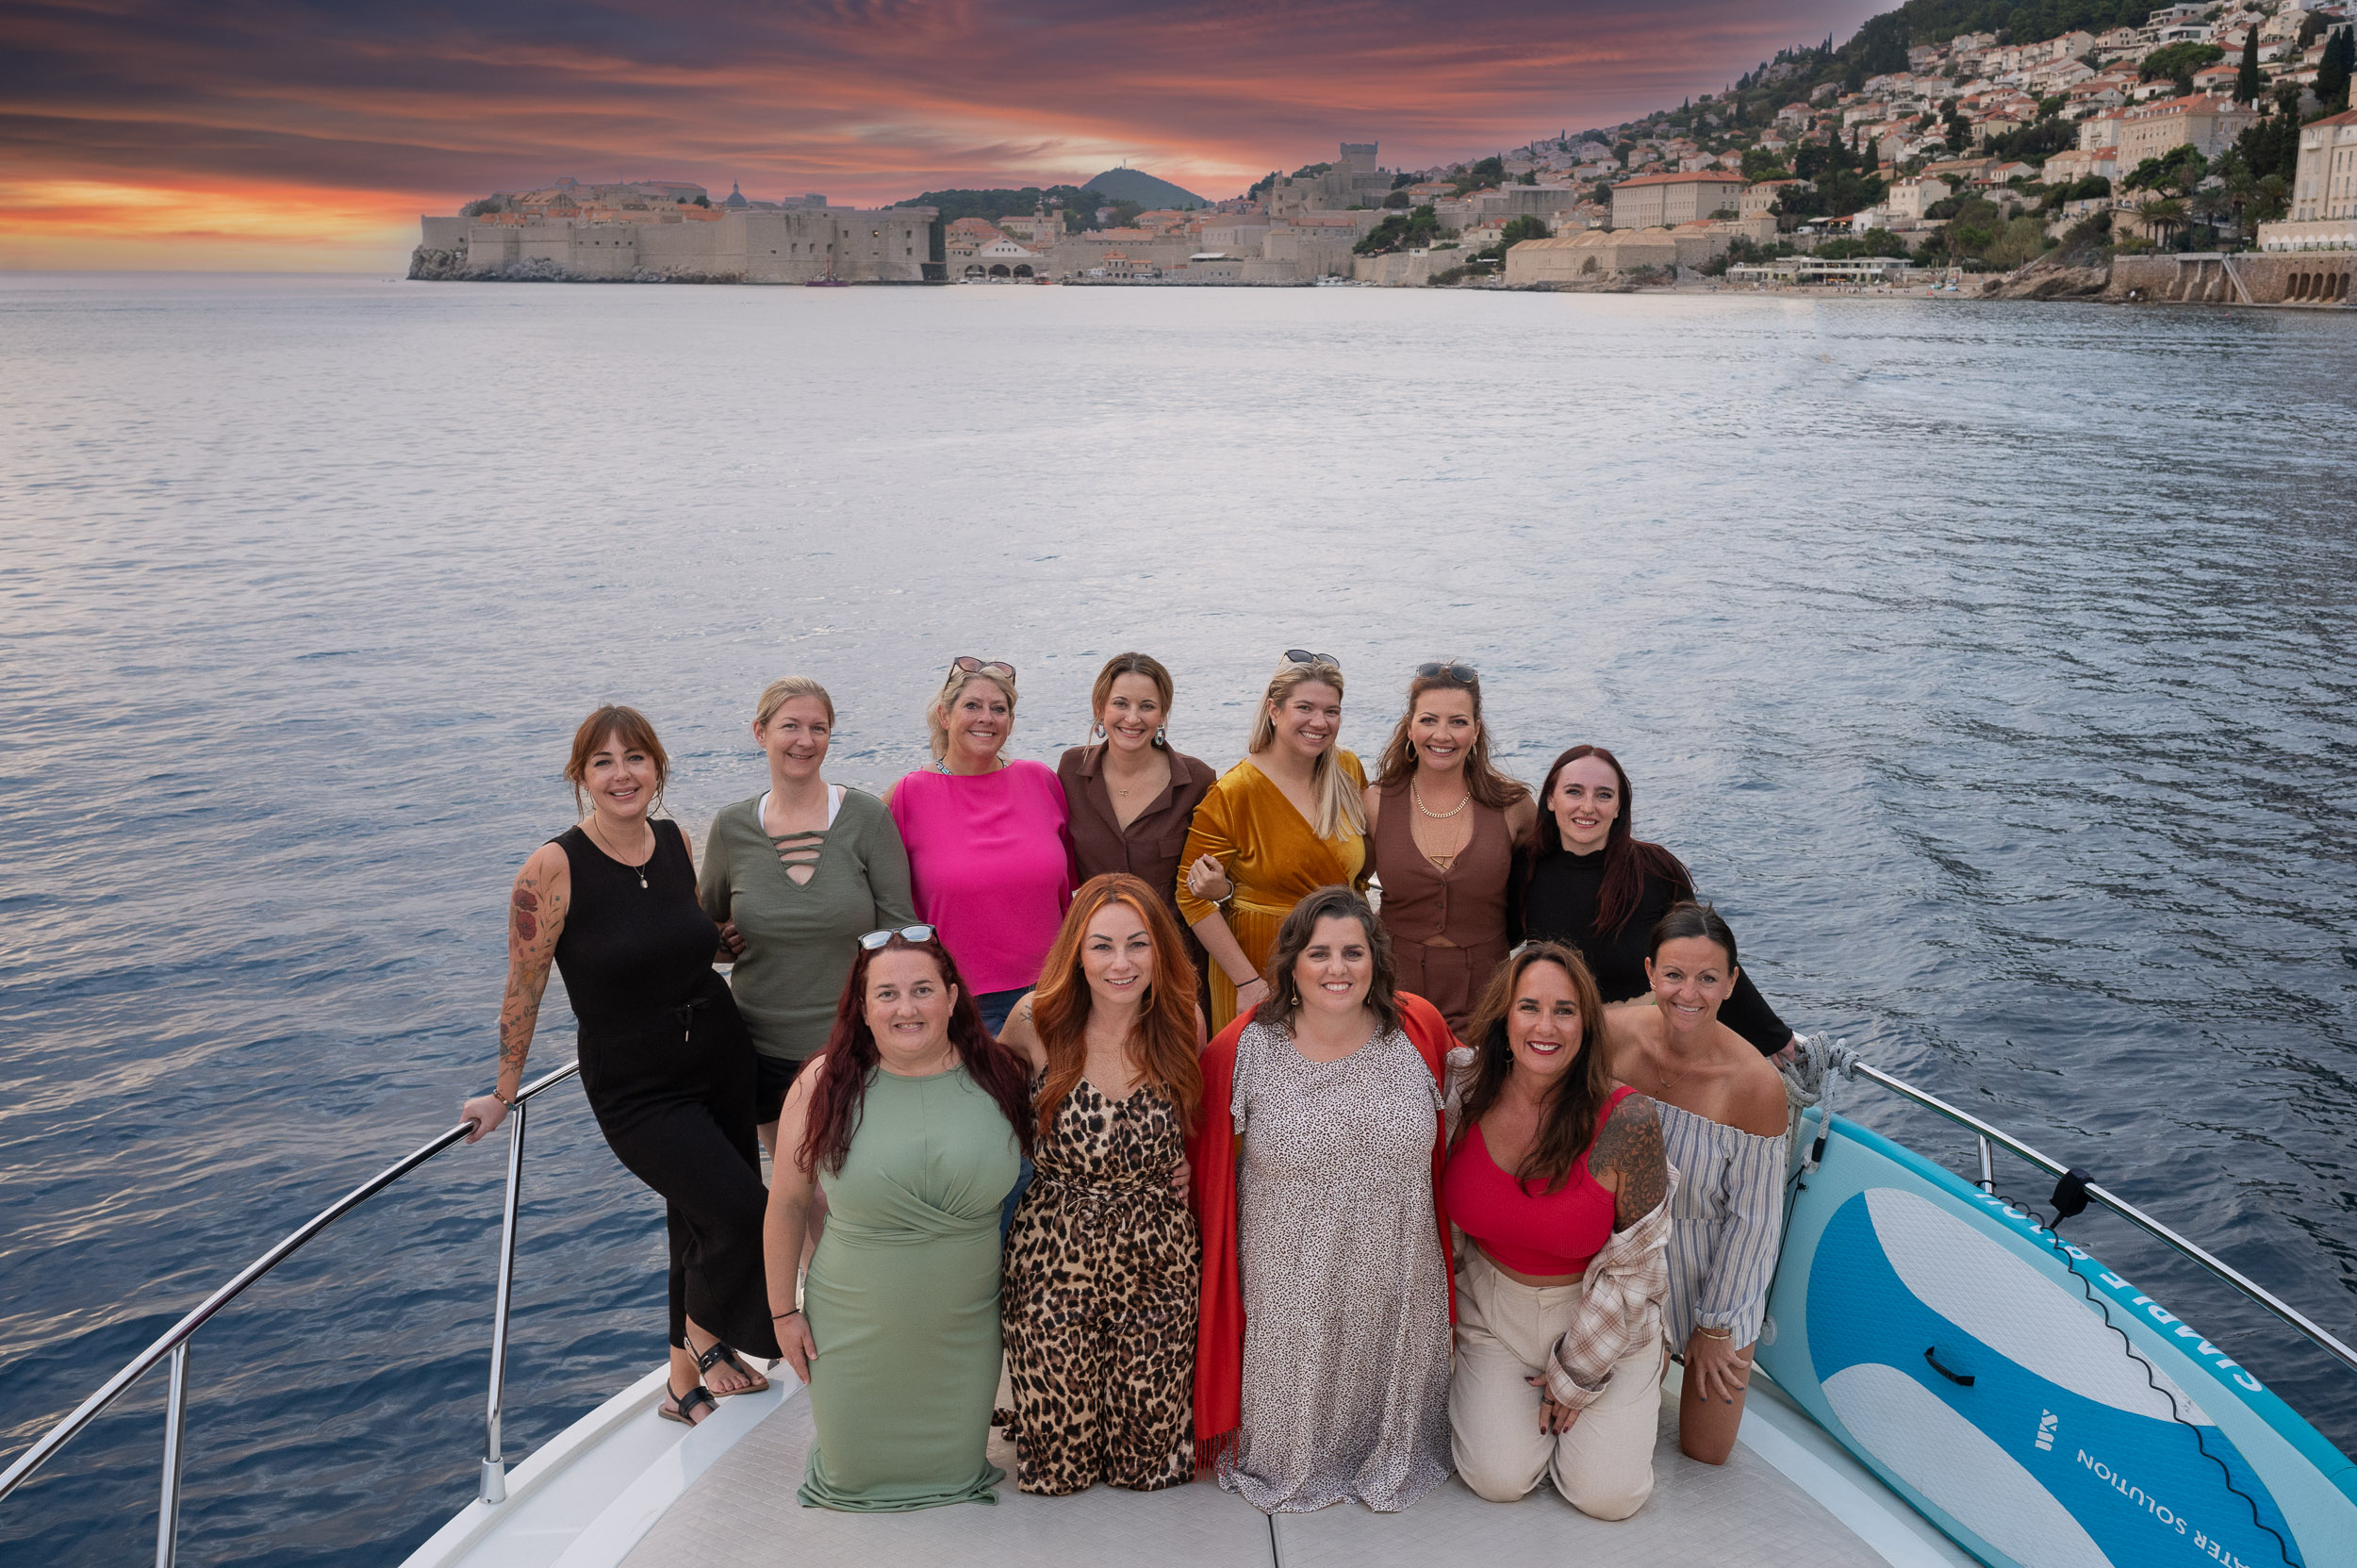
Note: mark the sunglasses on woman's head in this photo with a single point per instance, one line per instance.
(876, 939)
(1302, 655)
(966, 664)
(1464, 674)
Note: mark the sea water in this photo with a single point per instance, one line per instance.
(1991, 663)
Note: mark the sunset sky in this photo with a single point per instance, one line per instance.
(280, 134)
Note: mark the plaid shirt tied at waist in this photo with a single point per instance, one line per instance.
(1619, 1309)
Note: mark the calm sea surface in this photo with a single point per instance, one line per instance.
(1991, 665)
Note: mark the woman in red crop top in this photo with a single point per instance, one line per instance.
(1552, 1157)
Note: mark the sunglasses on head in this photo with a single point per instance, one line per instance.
(1464, 674)
(966, 664)
(876, 939)
(1302, 655)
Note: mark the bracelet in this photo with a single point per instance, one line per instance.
(777, 1318)
(1714, 1334)
(1247, 979)
(501, 1098)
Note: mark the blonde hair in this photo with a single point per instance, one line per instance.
(1338, 801)
(783, 690)
(937, 711)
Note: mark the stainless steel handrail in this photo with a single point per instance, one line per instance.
(2324, 1338)
(173, 1341)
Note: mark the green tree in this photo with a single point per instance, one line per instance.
(1399, 231)
(2164, 215)
(1398, 200)
(1761, 164)
(2180, 168)
(1959, 130)
(2179, 62)
(2250, 87)
(1873, 242)
(1489, 171)
(2333, 71)
(2271, 146)
(2022, 240)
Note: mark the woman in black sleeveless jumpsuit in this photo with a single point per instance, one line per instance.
(670, 1071)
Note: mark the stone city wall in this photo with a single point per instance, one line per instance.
(894, 245)
(2250, 278)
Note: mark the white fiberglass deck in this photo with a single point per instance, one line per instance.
(623, 1488)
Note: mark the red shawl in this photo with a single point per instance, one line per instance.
(1211, 1152)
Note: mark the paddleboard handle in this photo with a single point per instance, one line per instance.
(1963, 1379)
(2070, 1195)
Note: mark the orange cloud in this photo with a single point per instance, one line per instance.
(75, 223)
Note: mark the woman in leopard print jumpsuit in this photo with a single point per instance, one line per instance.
(1103, 1263)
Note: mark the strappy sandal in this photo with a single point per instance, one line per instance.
(719, 1354)
(683, 1406)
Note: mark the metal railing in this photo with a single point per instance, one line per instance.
(174, 1342)
(1991, 1138)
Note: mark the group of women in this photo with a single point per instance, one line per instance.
(1117, 1072)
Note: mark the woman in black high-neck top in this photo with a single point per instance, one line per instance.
(1590, 883)
(666, 1061)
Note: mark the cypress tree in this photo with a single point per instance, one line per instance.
(2333, 71)
(2247, 84)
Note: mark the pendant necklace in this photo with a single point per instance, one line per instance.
(638, 870)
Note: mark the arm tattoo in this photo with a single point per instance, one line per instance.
(1630, 1146)
(535, 919)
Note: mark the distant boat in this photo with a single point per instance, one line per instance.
(830, 280)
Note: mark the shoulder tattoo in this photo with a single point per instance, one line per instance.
(1630, 1146)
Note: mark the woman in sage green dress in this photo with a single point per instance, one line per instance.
(913, 1122)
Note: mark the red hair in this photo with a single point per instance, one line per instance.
(1629, 860)
(1165, 1030)
(852, 1057)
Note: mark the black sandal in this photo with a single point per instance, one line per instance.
(719, 1353)
(685, 1411)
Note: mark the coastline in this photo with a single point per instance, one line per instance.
(2255, 280)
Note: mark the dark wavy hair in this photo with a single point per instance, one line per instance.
(1576, 1105)
(1482, 779)
(853, 1057)
(1629, 860)
(1163, 1041)
(1292, 939)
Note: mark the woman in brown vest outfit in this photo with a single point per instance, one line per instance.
(1443, 823)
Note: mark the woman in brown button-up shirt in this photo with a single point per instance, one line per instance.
(1128, 797)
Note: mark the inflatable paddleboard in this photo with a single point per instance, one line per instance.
(1959, 1349)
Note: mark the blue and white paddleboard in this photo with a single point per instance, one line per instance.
(1949, 1341)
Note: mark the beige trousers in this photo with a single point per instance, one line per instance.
(1504, 1331)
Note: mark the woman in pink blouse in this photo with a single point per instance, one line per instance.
(989, 857)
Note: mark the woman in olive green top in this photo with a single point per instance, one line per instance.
(794, 876)
(913, 1122)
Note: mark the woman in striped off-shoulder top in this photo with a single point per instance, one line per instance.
(1723, 1120)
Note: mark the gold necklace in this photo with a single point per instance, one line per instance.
(1417, 794)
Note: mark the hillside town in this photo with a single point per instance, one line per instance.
(2204, 133)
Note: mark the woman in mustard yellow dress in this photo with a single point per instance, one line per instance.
(1278, 826)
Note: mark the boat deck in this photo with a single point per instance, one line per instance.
(742, 1514)
(621, 1489)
